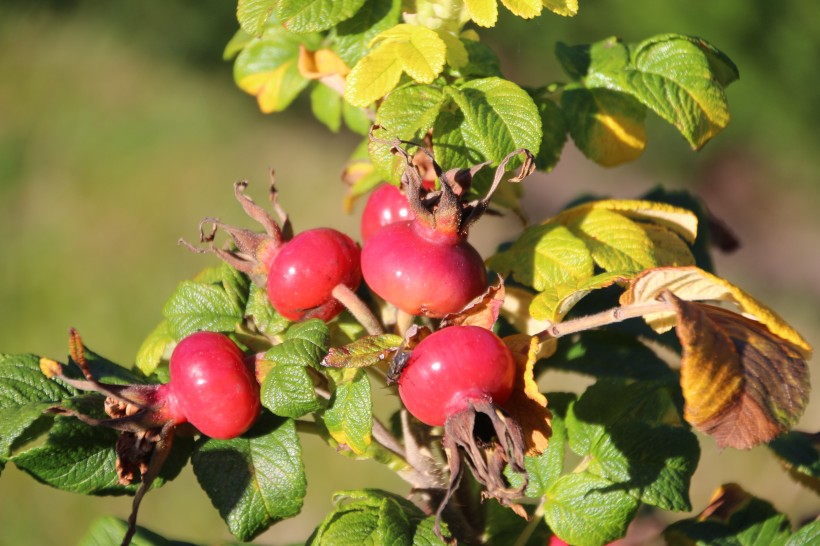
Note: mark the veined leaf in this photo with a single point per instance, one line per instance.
(415, 50)
(349, 418)
(606, 125)
(694, 284)
(353, 35)
(253, 14)
(615, 242)
(150, 353)
(484, 13)
(742, 384)
(554, 128)
(254, 480)
(195, 306)
(315, 15)
(499, 117)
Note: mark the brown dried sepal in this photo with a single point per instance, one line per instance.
(487, 441)
(483, 311)
(134, 451)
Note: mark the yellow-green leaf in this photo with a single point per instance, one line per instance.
(567, 8)
(694, 284)
(415, 50)
(556, 300)
(526, 9)
(253, 14)
(545, 256)
(616, 242)
(457, 55)
(484, 13)
(607, 126)
(153, 348)
(742, 384)
(526, 405)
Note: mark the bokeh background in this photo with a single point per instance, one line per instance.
(120, 128)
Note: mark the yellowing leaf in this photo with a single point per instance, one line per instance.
(681, 221)
(694, 284)
(415, 50)
(742, 384)
(482, 311)
(526, 9)
(317, 64)
(616, 242)
(457, 55)
(607, 126)
(526, 405)
(484, 13)
(567, 8)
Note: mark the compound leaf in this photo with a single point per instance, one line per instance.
(302, 16)
(254, 480)
(415, 50)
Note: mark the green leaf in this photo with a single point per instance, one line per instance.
(449, 146)
(355, 34)
(616, 242)
(267, 68)
(24, 393)
(554, 131)
(236, 44)
(349, 416)
(799, 452)
(410, 111)
(263, 315)
(356, 119)
(545, 255)
(150, 353)
(326, 105)
(499, 117)
(305, 344)
(545, 469)
(195, 306)
(414, 50)
(288, 391)
(588, 510)
(363, 352)
(108, 530)
(808, 534)
(655, 463)
(375, 517)
(602, 353)
(81, 459)
(680, 78)
(482, 61)
(315, 15)
(253, 14)
(607, 126)
(255, 480)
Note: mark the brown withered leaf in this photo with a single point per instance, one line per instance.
(483, 311)
(526, 404)
(743, 385)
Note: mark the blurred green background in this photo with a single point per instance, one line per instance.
(120, 128)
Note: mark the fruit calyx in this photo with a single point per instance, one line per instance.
(254, 251)
(445, 210)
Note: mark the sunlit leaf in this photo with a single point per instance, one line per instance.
(349, 416)
(743, 384)
(253, 14)
(555, 301)
(315, 15)
(484, 13)
(411, 49)
(694, 284)
(567, 8)
(150, 353)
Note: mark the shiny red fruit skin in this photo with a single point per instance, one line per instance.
(422, 271)
(303, 273)
(452, 367)
(386, 205)
(211, 386)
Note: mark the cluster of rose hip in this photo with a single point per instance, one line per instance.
(415, 256)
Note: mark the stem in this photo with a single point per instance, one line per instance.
(404, 321)
(531, 526)
(358, 309)
(604, 318)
